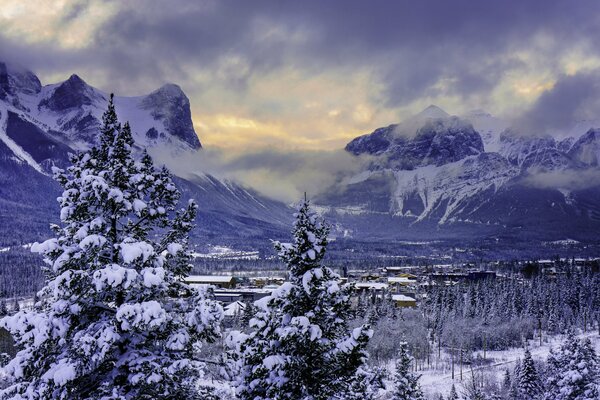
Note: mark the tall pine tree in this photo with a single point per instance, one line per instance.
(115, 319)
(301, 346)
(453, 395)
(406, 384)
(529, 387)
(573, 372)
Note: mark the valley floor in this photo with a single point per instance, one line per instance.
(437, 379)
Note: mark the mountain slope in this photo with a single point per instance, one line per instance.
(434, 173)
(41, 125)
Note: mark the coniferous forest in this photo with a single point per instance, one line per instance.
(115, 319)
(299, 200)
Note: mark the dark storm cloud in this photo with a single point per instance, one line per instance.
(413, 49)
(572, 98)
(74, 10)
(409, 45)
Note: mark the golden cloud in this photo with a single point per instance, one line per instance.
(45, 21)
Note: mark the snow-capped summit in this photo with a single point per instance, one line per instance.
(472, 174)
(15, 79)
(419, 141)
(170, 104)
(432, 111)
(70, 111)
(41, 125)
(587, 148)
(488, 126)
(70, 94)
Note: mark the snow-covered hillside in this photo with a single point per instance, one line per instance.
(40, 125)
(474, 169)
(71, 111)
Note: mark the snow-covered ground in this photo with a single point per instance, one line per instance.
(224, 252)
(438, 379)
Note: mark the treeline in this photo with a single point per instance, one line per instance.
(501, 313)
(20, 273)
(570, 372)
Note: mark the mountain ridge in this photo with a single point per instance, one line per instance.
(40, 125)
(434, 175)
(437, 169)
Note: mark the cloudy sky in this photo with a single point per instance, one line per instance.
(313, 74)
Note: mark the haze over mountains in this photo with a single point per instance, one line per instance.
(433, 176)
(41, 125)
(436, 173)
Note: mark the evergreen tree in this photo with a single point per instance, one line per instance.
(514, 389)
(3, 308)
(115, 319)
(529, 384)
(248, 313)
(573, 372)
(301, 346)
(453, 394)
(406, 384)
(506, 382)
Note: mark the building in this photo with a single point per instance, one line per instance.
(220, 281)
(251, 295)
(371, 286)
(402, 280)
(234, 309)
(262, 281)
(403, 301)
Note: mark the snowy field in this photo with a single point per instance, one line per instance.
(435, 381)
(227, 253)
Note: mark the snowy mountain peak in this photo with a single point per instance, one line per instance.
(76, 80)
(170, 104)
(15, 81)
(432, 111)
(50, 121)
(433, 167)
(169, 89)
(587, 148)
(419, 142)
(72, 93)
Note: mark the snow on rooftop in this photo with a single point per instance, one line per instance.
(371, 285)
(401, 297)
(400, 280)
(209, 279)
(234, 308)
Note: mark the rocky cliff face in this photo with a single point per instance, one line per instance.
(587, 148)
(437, 141)
(170, 105)
(70, 111)
(41, 125)
(436, 169)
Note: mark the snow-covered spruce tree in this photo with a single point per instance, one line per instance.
(529, 387)
(573, 372)
(453, 394)
(301, 347)
(506, 382)
(406, 383)
(115, 320)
